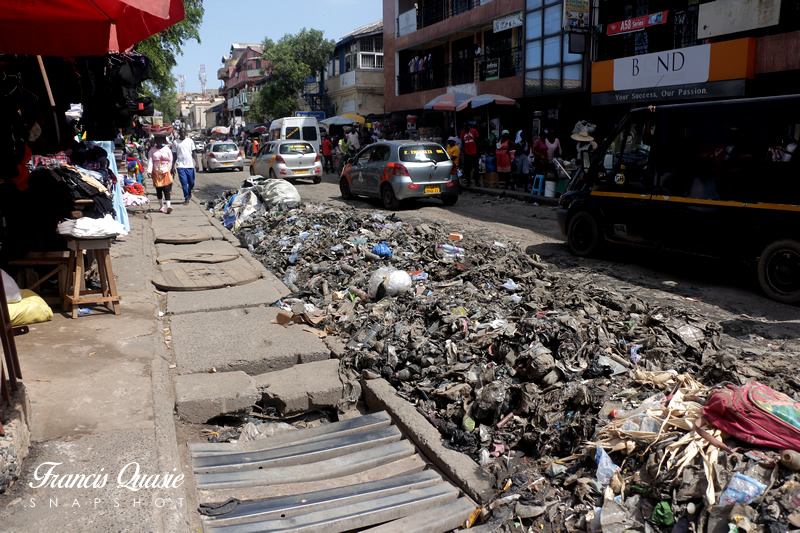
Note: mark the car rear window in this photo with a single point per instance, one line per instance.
(300, 148)
(224, 148)
(422, 152)
(292, 132)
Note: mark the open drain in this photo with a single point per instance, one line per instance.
(344, 476)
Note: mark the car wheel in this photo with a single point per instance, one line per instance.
(252, 172)
(779, 271)
(390, 201)
(344, 188)
(272, 175)
(449, 200)
(317, 179)
(584, 237)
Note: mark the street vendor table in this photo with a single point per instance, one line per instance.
(107, 294)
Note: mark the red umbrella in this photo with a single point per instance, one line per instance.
(83, 27)
(447, 101)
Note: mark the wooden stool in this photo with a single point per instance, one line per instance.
(73, 295)
(33, 259)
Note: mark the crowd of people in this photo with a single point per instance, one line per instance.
(516, 160)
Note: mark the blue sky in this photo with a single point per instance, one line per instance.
(250, 21)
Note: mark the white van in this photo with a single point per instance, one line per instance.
(301, 128)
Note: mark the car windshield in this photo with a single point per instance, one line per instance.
(224, 148)
(411, 153)
(296, 148)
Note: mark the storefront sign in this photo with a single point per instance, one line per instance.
(705, 71)
(514, 20)
(659, 69)
(492, 68)
(654, 95)
(319, 115)
(407, 22)
(576, 13)
(637, 24)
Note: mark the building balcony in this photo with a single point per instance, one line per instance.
(504, 65)
(433, 11)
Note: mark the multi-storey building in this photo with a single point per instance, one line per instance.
(438, 46)
(354, 77)
(240, 73)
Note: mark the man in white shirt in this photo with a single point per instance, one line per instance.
(184, 162)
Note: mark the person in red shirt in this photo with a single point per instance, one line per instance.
(327, 154)
(469, 142)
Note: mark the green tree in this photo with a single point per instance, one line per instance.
(162, 50)
(290, 61)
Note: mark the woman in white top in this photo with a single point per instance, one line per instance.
(159, 167)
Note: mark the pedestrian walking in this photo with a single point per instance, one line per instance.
(327, 154)
(453, 151)
(183, 147)
(502, 149)
(470, 157)
(520, 167)
(159, 168)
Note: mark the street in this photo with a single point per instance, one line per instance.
(720, 290)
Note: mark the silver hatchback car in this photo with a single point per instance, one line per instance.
(221, 155)
(285, 159)
(399, 170)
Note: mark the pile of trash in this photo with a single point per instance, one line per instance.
(581, 399)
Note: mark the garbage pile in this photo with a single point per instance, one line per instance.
(581, 399)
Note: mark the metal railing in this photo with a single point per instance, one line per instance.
(503, 64)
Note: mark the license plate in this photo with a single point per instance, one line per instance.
(299, 171)
(227, 163)
(431, 190)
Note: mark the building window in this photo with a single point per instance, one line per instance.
(549, 65)
(350, 56)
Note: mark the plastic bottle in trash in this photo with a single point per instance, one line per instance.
(449, 253)
(650, 403)
(408, 372)
(790, 459)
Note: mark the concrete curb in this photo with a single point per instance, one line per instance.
(379, 395)
(518, 195)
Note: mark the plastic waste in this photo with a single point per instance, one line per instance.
(790, 459)
(650, 403)
(83, 311)
(663, 515)
(382, 250)
(366, 335)
(449, 253)
(605, 466)
(641, 422)
(392, 280)
(510, 285)
(741, 489)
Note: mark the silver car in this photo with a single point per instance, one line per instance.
(287, 159)
(399, 170)
(222, 155)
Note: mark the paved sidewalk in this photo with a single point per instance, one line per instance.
(101, 405)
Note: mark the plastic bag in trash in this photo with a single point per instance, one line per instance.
(382, 250)
(605, 466)
(510, 285)
(393, 282)
(741, 489)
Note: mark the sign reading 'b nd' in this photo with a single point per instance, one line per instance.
(660, 69)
